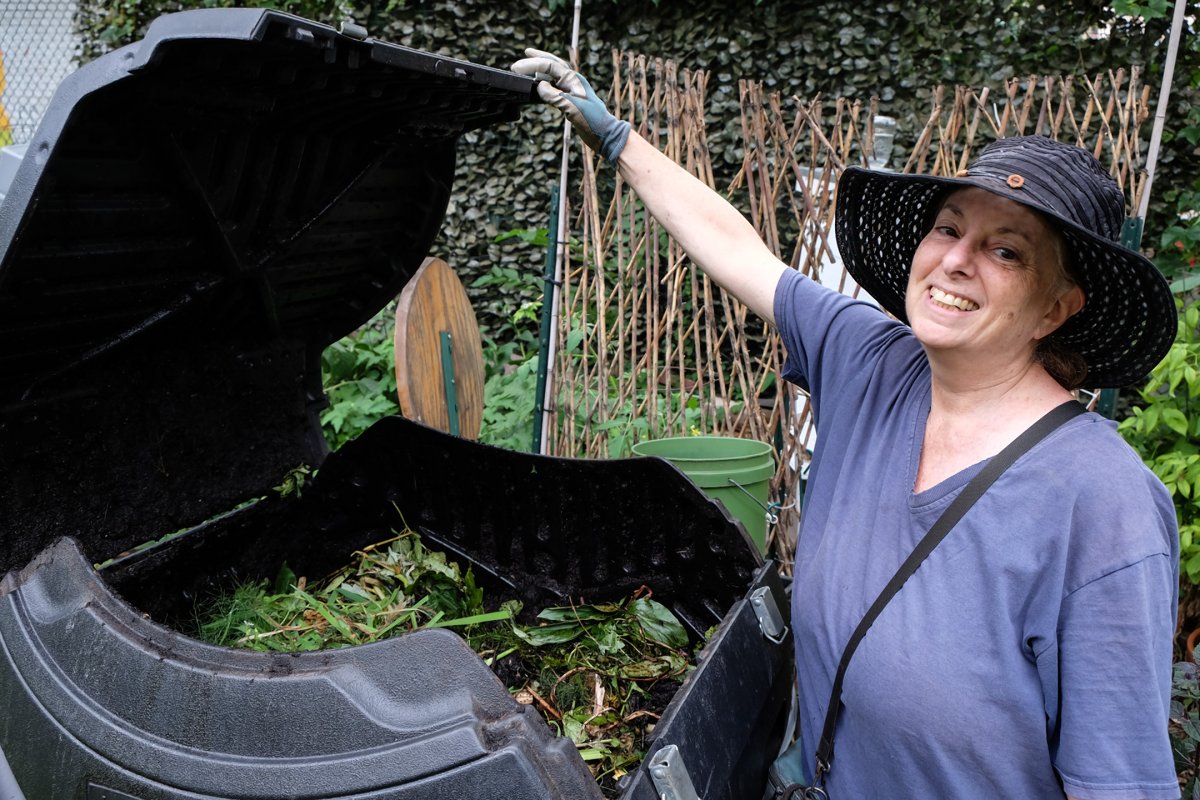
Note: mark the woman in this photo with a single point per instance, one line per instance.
(1030, 655)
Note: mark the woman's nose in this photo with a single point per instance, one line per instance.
(959, 258)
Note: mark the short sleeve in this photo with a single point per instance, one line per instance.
(1110, 680)
(831, 339)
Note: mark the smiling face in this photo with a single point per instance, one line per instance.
(988, 281)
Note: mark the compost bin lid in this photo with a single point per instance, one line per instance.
(197, 217)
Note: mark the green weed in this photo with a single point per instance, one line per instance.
(596, 671)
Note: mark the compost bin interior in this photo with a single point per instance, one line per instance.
(198, 216)
(547, 530)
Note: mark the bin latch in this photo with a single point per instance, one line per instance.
(770, 621)
(670, 776)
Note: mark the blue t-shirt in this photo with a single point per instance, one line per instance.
(1031, 653)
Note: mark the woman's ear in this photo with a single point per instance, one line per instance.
(1068, 303)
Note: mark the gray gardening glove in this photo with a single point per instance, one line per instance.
(569, 92)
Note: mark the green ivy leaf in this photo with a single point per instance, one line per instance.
(1185, 284)
(574, 730)
(608, 639)
(1150, 418)
(646, 670)
(1174, 419)
(573, 613)
(543, 635)
(658, 622)
(1192, 567)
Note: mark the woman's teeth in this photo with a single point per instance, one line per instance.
(953, 301)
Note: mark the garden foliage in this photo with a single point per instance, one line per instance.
(510, 354)
(590, 669)
(359, 376)
(1165, 427)
(890, 50)
(1185, 727)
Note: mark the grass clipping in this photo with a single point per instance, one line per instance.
(599, 673)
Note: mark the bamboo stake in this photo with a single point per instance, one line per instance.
(658, 335)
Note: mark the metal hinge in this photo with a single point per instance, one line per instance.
(770, 621)
(670, 776)
(352, 30)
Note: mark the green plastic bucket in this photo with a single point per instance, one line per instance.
(737, 472)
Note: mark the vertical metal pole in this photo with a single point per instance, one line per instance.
(549, 290)
(1131, 232)
(1160, 112)
(561, 235)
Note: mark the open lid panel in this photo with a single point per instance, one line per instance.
(199, 215)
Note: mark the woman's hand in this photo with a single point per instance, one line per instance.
(714, 234)
(569, 92)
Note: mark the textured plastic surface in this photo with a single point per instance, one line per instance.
(93, 690)
(197, 217)
(547, 529)
(97, 688)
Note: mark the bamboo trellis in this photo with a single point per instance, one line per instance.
(648, 347)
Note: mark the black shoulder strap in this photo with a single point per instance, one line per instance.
(970, 493)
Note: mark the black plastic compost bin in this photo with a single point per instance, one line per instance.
(198, 216)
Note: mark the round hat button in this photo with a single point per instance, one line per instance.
(1015, 181)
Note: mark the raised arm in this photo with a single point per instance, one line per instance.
(713, 233)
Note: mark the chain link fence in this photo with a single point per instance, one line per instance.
(38, 48)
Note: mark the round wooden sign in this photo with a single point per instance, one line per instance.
(439, 357)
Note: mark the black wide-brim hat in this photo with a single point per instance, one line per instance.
(1129, 319)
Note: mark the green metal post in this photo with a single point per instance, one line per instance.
(1131, 237)
(548, 292)
(1131, 233)
(448, 383)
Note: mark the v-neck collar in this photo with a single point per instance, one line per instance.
(944, 490)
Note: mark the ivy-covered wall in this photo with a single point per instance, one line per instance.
(893, 50)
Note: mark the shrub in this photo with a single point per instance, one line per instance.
(510, 356)
(1165, 428)
(1184, 727)
(359, 376)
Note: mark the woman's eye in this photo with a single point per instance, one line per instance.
(1008, 254)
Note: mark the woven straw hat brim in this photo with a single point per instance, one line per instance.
(1125, 327)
